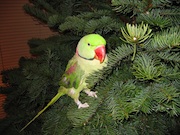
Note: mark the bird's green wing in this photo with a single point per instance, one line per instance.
(73, 74)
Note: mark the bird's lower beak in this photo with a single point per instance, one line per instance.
(100, 53)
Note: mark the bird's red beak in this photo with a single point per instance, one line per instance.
(100, 53)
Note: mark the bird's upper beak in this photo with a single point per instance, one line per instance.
(100, 53)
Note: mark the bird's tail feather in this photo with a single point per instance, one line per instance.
(53, 100)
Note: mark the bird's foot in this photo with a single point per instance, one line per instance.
(81, 105)
(91, 93)
(85, 105)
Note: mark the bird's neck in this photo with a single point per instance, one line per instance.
(82, 56)
(90, 65)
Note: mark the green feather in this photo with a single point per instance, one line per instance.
(72, 75)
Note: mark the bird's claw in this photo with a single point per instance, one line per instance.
(91, 93)
(81, 105)
(85, 105)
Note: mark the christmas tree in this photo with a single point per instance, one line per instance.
(139, 90)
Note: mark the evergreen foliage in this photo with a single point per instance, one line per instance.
(139, 90)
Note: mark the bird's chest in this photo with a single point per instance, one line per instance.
(89, 66)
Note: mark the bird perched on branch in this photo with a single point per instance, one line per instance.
(90, 56)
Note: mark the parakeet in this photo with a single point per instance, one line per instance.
(90, 56)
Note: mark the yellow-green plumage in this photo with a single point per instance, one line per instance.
(90, 56)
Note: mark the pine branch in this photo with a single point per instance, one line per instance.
(36, 12)
(147, 68)
(155, 19)
(55, 20)
(166, 39)
(136, 34)
(171, 73)
(172, 14)
(96, 22)
(46, 6)
(118, 100)
(169, 56)
(102, 25)
(62, 42)
(95, 15)
(125, 6)
(167, 99)
(81, 117)
(137, 6)
(77, 25)
(143, 101)
(160, 3)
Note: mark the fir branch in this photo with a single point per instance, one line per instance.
(151, 124)
(137, 6)
(102, 25)
(36, 12)
(160, 3)
(81, 117)
(125, 6)
(121, 52)
(119, 110)
(9, 77)
(39, 46)
(94, 15)
(136, 35)
(143, 101)
(171, 73)
(169, 56)
(118, 100)
(46, 6)
(55, 20)
(73, 23)
(154, 18)
(147, 68)
(167, 99)
(97, 24)
(166, 39)
(172, 14)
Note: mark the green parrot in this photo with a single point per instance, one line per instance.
(90, 56)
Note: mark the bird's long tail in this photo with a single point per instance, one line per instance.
(53, 100)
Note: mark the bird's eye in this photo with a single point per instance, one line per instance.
(89, 44)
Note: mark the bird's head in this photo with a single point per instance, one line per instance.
(91, 47)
